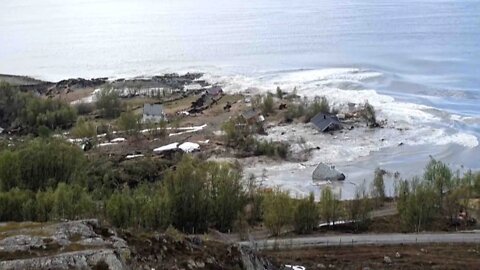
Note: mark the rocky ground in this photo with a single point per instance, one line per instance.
(411, 257)
(86, 244)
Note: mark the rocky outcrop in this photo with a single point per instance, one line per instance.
(65, 86)
(86, 244)
(251, 260)
(21, 243)
(86, 259)
(80, 244)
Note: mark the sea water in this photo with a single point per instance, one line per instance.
(416, 61)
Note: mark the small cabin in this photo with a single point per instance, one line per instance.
(153, 113)
(326, 122)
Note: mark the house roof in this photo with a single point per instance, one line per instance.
(215, 90)
(323, 172)
(168, 147)
(249, 114)
(153, 109)
(325, 121)
(186, 147)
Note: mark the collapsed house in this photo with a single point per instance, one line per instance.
(252, 116)
(207, 99)
(323, 172)
(186, 147)
(214, 91)
(326, 122)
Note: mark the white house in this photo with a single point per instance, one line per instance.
(153, 113)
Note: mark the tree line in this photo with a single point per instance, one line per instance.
(48, 179)
(29, 113)
(437, 199)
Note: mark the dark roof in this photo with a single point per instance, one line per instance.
(153, 109)
(215, 90)
(249, 114)
(325, 122)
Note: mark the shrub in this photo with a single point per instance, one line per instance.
(416, 205)
(319, 105)
(272, 149)
(368, 114)
(358, 209)
(306, 216)
(238, 134)
(277, 211)
(84, 108)
(129, 122)
(84, 129)
(378, 187)
(72, 202)
(42, 163)
(280, 93)
(329, 206)
(120, 209)
(295, 111)
(203, 193)
(109, 103)
(30, 112)
(268, 105)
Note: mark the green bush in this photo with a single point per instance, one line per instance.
(416, 205)
(203, 193)
(84, 129)
(15, 205)
(72, 202)
(330, 210)
(28, 112)
(277, 211)
(307, 109)
(66, 202)
(129, 122)
(84, 108)
(272, 149)
(41, 163)
(306, 217)
(319, 105)
(109, 103)
(378, 187)
(120, 209)
(268, 104)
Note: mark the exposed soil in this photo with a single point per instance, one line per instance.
(439, 256)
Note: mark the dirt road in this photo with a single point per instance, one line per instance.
(365, 239)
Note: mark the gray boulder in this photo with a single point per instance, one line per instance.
(86, 259)
(21, 243)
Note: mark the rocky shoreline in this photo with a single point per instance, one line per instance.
(52, 89)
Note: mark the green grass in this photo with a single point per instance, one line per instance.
(15, 226)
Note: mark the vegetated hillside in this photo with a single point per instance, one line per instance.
(86, 244)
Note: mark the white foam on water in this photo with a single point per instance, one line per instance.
(407, 123)
(329, 83)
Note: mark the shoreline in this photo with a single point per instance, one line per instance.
(356, 153)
